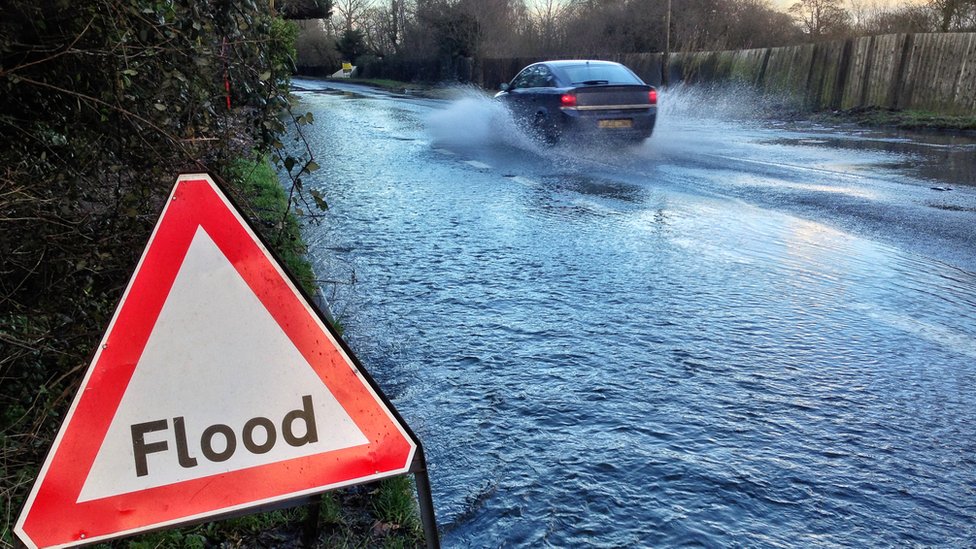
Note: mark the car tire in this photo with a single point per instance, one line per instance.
(545, 130)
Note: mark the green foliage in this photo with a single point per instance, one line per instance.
(901, 119)
(352, 44)
(176, 539)
(382, 514)
(394, 503)
(304, 9)
(284, 36)
(330, 510)
(104, 102)
(257, 523)
(263, 195)
(230, 531)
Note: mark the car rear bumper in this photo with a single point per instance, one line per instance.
(627, 124)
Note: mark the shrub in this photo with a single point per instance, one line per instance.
(104, 102)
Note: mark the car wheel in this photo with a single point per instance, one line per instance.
(545, 129)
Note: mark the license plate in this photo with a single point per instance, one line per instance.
(616, 123)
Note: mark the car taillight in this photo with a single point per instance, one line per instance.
(652, 97)
(568, 100)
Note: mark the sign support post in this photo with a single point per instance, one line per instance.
(426, 500)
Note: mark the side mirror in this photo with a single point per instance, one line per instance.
(503, 86)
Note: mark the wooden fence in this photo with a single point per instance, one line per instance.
(931, 72)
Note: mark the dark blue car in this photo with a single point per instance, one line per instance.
(601, 99)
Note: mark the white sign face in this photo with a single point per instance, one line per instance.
(195, 420)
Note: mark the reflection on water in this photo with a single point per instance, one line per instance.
(597, 363)
(944, 157)
(733, 114)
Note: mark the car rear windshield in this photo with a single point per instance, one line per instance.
(594, 73)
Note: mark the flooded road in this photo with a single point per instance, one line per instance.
(733, 335)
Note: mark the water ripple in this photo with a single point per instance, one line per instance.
(596, 363)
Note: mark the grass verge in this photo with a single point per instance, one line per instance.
(901, 119)
(411, 88)
(256, 186)
(392, 85)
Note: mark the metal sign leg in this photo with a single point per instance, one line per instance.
(426, 501)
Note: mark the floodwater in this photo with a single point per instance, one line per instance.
(738, 334)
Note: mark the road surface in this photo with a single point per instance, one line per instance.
(743, 332)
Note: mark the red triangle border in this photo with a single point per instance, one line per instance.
(52, 516)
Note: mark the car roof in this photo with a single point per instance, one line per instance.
(570, 62)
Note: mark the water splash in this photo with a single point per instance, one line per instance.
(475, 119)
(696, 119)
(731, 102)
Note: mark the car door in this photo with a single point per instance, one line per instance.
(523, 93)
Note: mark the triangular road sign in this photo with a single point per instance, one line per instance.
(216, 388)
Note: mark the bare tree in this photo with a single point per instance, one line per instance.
(755, 24)
(908, 18)
(862, 12)
(348, 14)
(700, 25)
(955, 14)
(547, 24)
(397, 21)
(382, 28)
(488, 28)
(315, 46)
(967, 17)
(611, 26)
(500, 23)
(822, 18)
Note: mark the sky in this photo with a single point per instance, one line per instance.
(784, 5)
